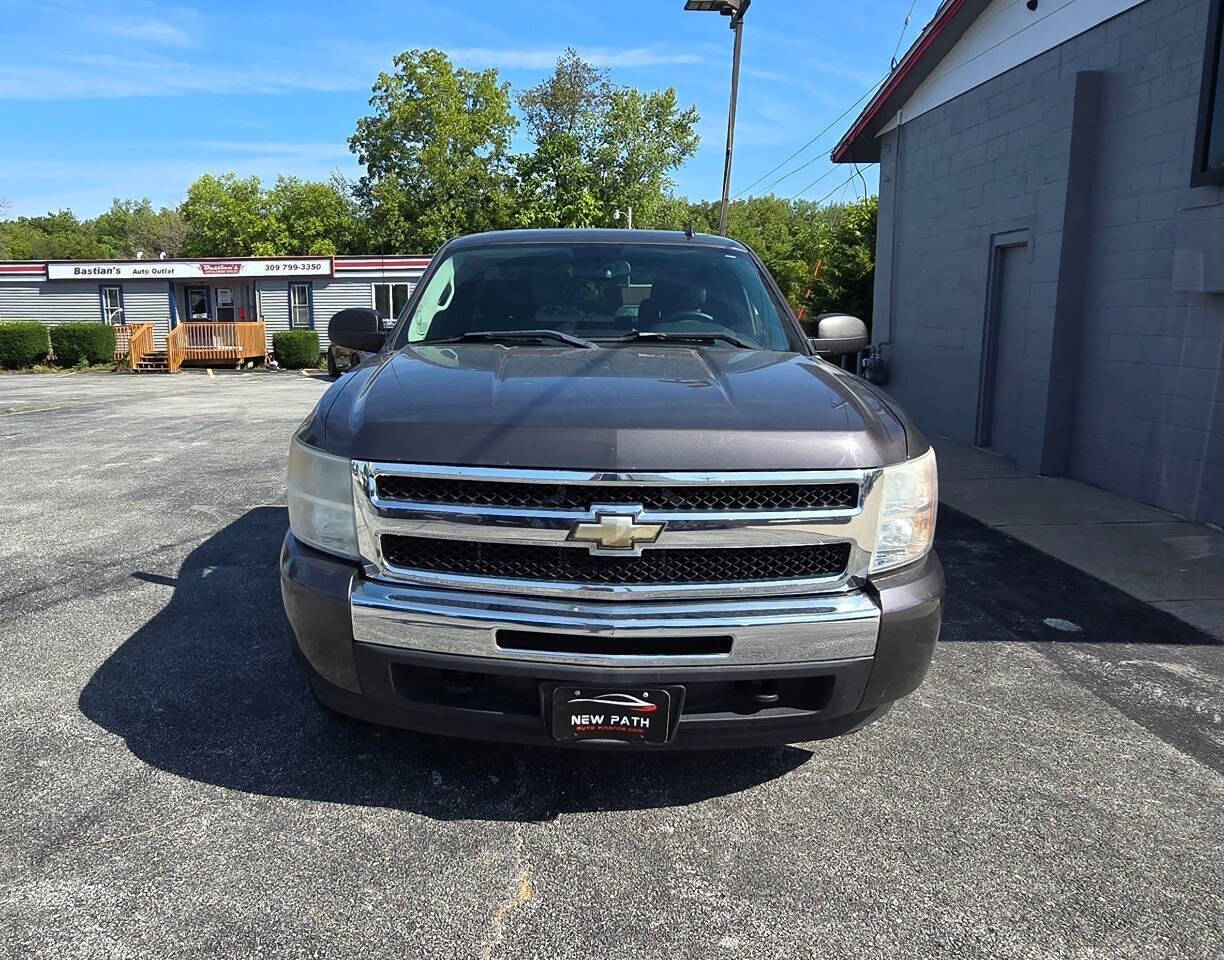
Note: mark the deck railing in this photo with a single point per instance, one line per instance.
(133, 340)
(229, 343)
(176, 347)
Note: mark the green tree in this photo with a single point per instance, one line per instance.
(573, 102)
(56, 236)
(598, 148)
(788, 236)
(644, 137)
(556, 187)
(229, 216)
(313, 217)
(133, 226)
(846, 252)
(435, 152)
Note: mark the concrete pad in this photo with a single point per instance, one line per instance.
(1004, 501)
(960, 461)
(1207, 615)
(1151, 561)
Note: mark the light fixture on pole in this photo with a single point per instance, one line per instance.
(735, 9)
(627, 213)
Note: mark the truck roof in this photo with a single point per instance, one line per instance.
(667, 237)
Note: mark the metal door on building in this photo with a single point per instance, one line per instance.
(1000, 407)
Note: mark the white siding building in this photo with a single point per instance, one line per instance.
(283, 292)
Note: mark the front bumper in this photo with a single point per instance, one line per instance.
(430, 660)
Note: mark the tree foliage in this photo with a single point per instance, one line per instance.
(129, 227)
(132, 227)
(232, 216)
(435, 149)
(845, 249)
(792, 237)
(598, 149)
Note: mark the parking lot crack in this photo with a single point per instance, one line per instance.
(523, 889)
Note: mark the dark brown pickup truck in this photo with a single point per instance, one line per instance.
(596, 488)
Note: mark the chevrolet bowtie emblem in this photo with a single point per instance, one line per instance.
(612, 531)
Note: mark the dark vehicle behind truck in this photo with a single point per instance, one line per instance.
(596, 488)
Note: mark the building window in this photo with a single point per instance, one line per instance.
(299, 305)
(1209, 139)
(389, 299)
(112, 305)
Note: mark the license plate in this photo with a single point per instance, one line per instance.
(597, 713)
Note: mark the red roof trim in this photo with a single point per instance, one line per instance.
(908, 62)
(376, 264)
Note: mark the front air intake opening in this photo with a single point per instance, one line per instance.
(588, 645)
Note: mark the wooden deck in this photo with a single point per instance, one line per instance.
(216, 344)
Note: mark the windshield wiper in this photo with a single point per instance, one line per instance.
(495, 335)
(695, 337)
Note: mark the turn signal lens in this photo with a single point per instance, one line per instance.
(321, 500)
(907, 513)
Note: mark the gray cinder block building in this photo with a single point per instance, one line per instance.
(1050, 262)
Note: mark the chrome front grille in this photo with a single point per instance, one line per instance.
(571, 496)
(556, 533)
(528, 564)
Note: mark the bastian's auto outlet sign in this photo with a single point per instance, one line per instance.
(190, 269)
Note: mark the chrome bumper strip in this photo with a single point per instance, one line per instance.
(763, 631)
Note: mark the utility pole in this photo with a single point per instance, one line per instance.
(735, 9)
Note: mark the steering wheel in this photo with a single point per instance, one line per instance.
(689, 316)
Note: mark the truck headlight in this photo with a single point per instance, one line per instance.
(910, 494)
(321, 500)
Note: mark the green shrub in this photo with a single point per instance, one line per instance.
(22, 344)
(296, 349)
(80, 344)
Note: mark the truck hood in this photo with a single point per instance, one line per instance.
(616, 409)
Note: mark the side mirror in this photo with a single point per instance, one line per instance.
(358, 328)
(838, 334)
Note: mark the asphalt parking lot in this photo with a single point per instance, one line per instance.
(170, 789)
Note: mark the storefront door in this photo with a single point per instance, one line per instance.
(198, 305)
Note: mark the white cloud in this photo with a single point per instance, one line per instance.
(154, 31)
(105, 76)
(545, 58)
(303, 151)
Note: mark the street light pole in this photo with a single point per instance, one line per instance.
(737, 24)
(735, 9)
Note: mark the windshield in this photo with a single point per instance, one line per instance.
(601, 292)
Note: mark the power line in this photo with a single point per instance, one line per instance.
(861, 177)
(830, 126)
(870, 90)
(827, 173)
(787, 176)
(904, 28)
(827, 195)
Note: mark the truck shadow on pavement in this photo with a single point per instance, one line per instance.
(209, 690)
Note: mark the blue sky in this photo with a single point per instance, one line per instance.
(103, 99)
